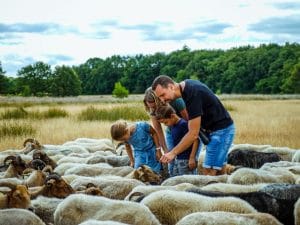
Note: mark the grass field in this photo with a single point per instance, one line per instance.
(259, 119)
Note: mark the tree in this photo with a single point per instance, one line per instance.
(120, 91)
(36, 77)
(4, 82)
(65, 82)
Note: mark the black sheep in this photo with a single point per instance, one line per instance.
(250, 158)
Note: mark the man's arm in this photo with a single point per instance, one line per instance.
(186, 141)
(184, 114)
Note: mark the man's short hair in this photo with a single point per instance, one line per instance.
(162, 80)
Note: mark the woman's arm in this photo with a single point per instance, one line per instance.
(156, 142)
(192, 158)
(184, 114)
(129, 153)
(160, 134)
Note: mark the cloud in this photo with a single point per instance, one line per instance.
(55, 59)
(167, 31)
(278, 25)
(287, 5)
(40, 28)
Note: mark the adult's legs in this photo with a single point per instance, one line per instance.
(216, 151)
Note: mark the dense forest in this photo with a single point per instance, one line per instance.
(267, 69)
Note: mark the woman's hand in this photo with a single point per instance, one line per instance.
(192, 164)
(168, 157)
(131, 164)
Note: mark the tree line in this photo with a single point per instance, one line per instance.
(266, 69)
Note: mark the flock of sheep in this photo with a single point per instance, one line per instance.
(89, 182)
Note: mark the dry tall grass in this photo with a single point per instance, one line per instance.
(274, 122)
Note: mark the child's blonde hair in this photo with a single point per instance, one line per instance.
(118, 129)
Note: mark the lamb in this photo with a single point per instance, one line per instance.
(19, 216)
(145, 174)
(73, 210)
(17, 197)
(198, 180)
(250, 158)
(278, 205)
(112, 186)
(170, 206)
(254, 176)
(220, 218)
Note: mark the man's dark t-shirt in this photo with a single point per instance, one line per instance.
(201, 101)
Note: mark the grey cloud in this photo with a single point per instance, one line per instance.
(55, 59)
(210, 27)
(287, 5)
(278, 25)
(35, 28)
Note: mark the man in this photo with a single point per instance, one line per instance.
(206, 111)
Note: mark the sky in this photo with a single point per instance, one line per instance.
(69, 32)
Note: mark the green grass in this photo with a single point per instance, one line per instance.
(14, 128)
(125, 112)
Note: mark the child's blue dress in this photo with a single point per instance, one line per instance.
(143, 147)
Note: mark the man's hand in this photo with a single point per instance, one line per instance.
(168, 157)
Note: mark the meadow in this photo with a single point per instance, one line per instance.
(259, 119)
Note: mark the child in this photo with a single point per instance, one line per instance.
(144, 140)
(185, 162)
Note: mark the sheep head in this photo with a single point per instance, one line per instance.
(30, 144)
(18, 196)
(146, 174)
(17, 162)
(39, 154)
(57, 187)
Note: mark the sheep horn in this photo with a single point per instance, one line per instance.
(140, 195)
(8, 184)
(10, 157)
(48, 169)
(54, 176)
(31, 140)
(37, 164)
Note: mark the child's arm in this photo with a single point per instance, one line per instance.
(156, 142)
(160, 134)
(129, 153)
(192, 159)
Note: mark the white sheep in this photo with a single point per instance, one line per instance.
(296, 156)
(297, 212)
(44, 207)
(93, 145)
(19, 216)
(220, 218)
(92, 170)
(97, 222)
(140, 192)
(197, 180)
(78, 208)
(113, 187)
(62, 168)
(233, 188)
(254, 176)
(170, 206)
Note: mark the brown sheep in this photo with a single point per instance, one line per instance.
(39, 154)
(17, 197)
(16, 166)
(54, 186)
(30, 144)
(145, 174)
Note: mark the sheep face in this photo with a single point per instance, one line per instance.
(146, 174)
(57, 187)
(19, 197)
